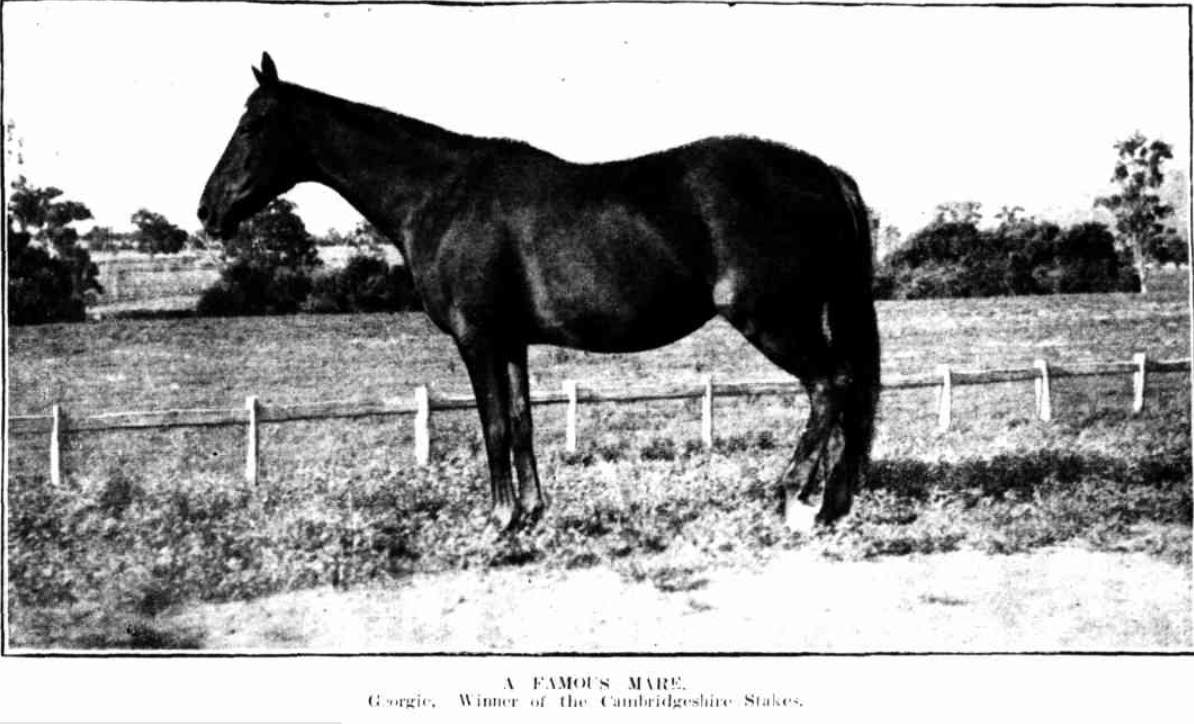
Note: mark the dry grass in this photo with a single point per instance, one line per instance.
(149, 520)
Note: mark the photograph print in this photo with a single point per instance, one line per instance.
(596, 329)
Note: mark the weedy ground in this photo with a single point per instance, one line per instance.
(147, 521)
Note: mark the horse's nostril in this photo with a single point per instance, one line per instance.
(203, 213)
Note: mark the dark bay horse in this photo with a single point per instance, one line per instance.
(511, 246)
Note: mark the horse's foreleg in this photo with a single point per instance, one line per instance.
(529, 493)
(486, 369)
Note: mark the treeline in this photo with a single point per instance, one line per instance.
(958, 259)
(273, 265)
(953, 257)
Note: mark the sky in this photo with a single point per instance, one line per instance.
(128, 105)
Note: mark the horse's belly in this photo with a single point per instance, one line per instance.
(621, 320)
(614, 279)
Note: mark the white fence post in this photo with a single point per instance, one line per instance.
(252, 440)
(570, 416)
(945, 399)
(707, 413)
(1138, 383)
(1044, 402)
(422, 425)
(55, 446)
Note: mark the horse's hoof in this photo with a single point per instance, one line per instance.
(532, 513)
(835, 506)
(504, 520)
(799, 516)
(829, 519)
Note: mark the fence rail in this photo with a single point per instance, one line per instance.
(572, 394)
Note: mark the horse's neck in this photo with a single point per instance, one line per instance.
(383, 164)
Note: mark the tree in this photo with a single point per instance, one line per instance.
(1137, 207)
(1009, 215)
(959, 212)
(275, 236)
(155, 234)
(102, 238)
(53, 279)
(875, 219)
(333, 237)
(197, 240)
(272, 257)
(1086, 260)
(366, 238)
(1020, 256)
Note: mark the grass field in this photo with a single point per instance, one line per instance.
(140, 281)
(149, 520)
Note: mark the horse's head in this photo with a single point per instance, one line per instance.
(260, 162)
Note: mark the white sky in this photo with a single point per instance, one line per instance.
(129, 105)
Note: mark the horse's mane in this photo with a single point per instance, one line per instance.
(381, 122)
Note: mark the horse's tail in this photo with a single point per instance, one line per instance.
(854, 332)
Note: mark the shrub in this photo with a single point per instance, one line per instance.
(42, 289)
(50, 277)
(365, 284)
(252, 287)
(272, 260)
(955, 259)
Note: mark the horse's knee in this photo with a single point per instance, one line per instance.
(497, 431)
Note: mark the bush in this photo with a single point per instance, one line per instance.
(1168, 248)
(252, 287)
(50, 277)
(955, 259)
(365, 284)
(41, 290)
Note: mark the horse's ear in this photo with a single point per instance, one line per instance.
(268, 75)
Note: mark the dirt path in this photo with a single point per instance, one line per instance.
(1058, 599)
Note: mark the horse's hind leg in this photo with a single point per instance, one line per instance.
(799, 346)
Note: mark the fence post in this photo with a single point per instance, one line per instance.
(707, 413)
(1044, 403)
(55, 446)
(251, 441)
(1138, 383)
(570, 416)
(422, 425)
(945, 399)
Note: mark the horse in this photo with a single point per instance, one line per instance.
(511, 246)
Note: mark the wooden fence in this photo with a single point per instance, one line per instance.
(425, 401)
